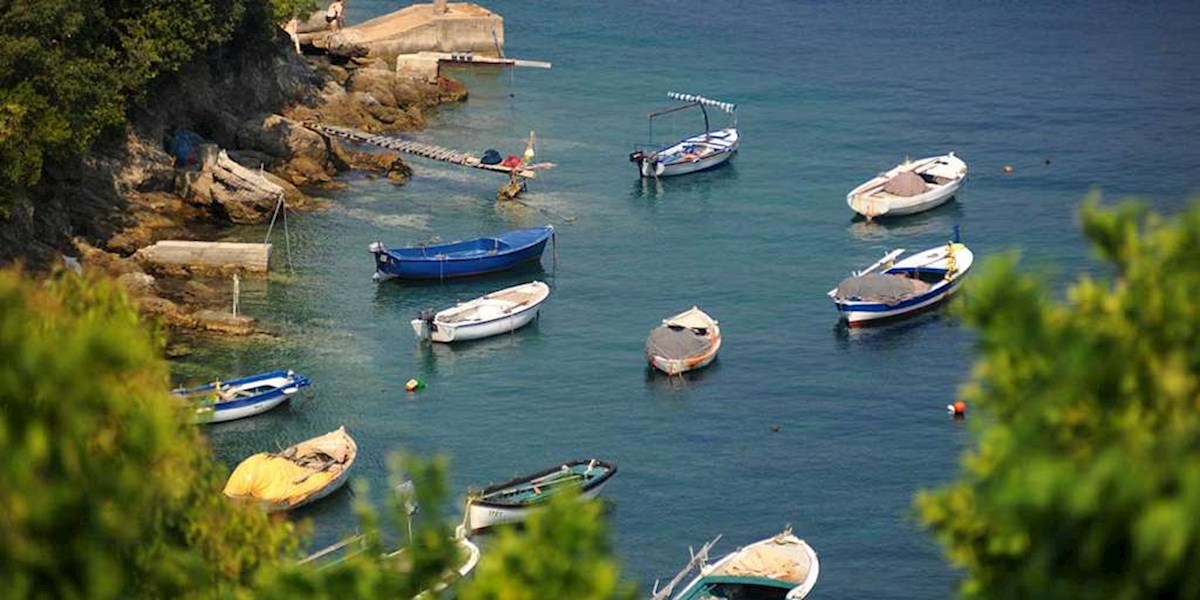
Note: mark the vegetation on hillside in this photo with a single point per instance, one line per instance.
(71, 69)
(107, 491)
(1086, 479)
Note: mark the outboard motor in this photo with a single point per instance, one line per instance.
(636, 156)
(428, 315)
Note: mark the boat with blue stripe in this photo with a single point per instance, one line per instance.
(888, 289)
(221, 401)
(463, 258)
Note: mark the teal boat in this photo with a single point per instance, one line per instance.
(781, 567)
(511, 501)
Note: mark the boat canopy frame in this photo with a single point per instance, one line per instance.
(692, 101)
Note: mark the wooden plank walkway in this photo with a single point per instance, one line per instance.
(423, 150)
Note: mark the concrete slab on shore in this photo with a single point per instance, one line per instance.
(253, 258)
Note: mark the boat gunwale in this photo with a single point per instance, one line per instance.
(481, 499)
(547, 232)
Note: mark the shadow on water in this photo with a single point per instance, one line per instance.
(700, 185)
(431, 355)
(934, 223)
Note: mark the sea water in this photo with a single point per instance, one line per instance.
(799, 421)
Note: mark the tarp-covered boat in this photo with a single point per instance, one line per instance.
(301, 474)
(461, 259)
(689, 340)
(782, 567)
(495, 313)
(910, 187)
(889, 289)
(512, 501)
(694, 153)
(237, 398)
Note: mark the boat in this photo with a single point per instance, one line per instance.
(499, 312)
(239, 398)
(463, 258)
(687, 341)
(696, 153)
(889, 289)
(910, 187)
(299, 475)
(781, 567)
(513, 500)
(468, 558)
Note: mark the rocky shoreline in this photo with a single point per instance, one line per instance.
(248, 149)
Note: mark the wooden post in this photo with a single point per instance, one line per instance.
(237, 292)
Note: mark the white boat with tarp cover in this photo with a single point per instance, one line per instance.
(696, 153)
(499, 312)
(781, 567)
(889, 289)
(687, 341)
(910, 187)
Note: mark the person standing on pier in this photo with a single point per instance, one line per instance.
(335, 16)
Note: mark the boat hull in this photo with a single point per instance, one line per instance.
(483, 516)
(653, 165)
(391, 264)
(451, 333)
(283, 385)
(676, 367)
(444, 328)
(955, 259)
(865, 200)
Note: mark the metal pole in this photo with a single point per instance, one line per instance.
(237, 292)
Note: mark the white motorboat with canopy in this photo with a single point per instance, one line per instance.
(691, 154)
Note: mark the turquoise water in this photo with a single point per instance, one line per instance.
(830, 93)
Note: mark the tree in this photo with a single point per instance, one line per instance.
(105, 490)
(1086, 479)
(563, 552)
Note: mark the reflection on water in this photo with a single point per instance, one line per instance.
(700, 185)
(893, 334)
(431, 357)
(658, 381)
(936, 223)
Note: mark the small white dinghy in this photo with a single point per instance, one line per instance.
(910, 187)
(689, 340)
(498, 312)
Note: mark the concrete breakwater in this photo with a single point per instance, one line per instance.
(436, 27)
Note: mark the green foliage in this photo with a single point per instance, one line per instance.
(375, 571)
(105, 491)
(69, 69)
(287, 9)
(562, 552)
(1086, 481)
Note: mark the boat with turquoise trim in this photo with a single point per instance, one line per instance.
(781, 567)
(513, 500)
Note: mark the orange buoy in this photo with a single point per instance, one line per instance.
(957, 410)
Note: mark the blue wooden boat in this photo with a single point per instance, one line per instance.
(237, 398)
(461, 259)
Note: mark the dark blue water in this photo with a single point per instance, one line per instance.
(830, 93)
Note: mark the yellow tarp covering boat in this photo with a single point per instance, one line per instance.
(300, 474)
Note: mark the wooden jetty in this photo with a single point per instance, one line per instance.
(423, 150)
(253, 258)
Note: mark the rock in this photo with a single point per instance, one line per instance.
(380, 85)
(137, 284)
(211, 320)
(196, 293)
(389, 164)
(451, 90)
(283, 138)
(178, 350)
(345, 44)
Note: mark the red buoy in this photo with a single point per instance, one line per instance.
(957, 410)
